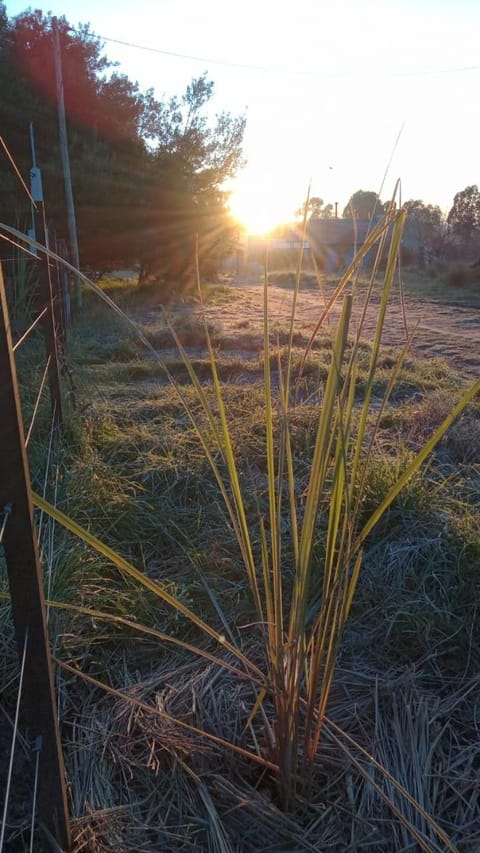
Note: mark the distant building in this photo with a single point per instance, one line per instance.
(335, 242)
(329, 244)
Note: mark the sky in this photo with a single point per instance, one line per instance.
(347, 94)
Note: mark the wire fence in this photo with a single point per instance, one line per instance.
(40, 303)
(7, 509)
(46, 814)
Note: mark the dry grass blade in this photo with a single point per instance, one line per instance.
(336, 734)
(174, 721)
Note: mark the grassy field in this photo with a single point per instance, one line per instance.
(132, 470)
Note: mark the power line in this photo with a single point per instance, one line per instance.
(209, 60)
(291, 71)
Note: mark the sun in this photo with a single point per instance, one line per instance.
(257, 212)
(254, 219)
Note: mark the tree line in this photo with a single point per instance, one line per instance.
(454, 236)
(147, 174)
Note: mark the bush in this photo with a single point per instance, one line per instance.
(288, 279)
(457, 277)
(463, 276)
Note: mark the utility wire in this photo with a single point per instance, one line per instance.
(291, 71)
(191, 57)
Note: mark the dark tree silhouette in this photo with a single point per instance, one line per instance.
(147, 175)
(363, 204)
(464, 219)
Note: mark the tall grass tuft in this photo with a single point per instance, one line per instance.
(302, 630)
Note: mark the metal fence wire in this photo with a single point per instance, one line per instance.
(35, 711)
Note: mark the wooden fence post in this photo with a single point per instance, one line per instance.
(59, 304)
(46, 288)
(27, 596)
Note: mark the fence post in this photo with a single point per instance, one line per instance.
(27, 596)
(61, 250)
(49, 324)
(59, 303)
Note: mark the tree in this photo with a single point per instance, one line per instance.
(425, 224)
(147, 174)
(192, 160)
(103, 116)
(316, 208)
(464, 218)
(363, 204)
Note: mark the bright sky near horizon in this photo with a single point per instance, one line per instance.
(327, 87)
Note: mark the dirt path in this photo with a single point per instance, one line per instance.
(446, 331)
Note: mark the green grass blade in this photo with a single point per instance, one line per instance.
(296, 291)
(221, 434)
(100, 615)
(324, 437)
(126, 568)
(274, 515)
(386, 290)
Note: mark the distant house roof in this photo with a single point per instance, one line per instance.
(348, 232)
(340, 236)
(339, 232)
(289, 240)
